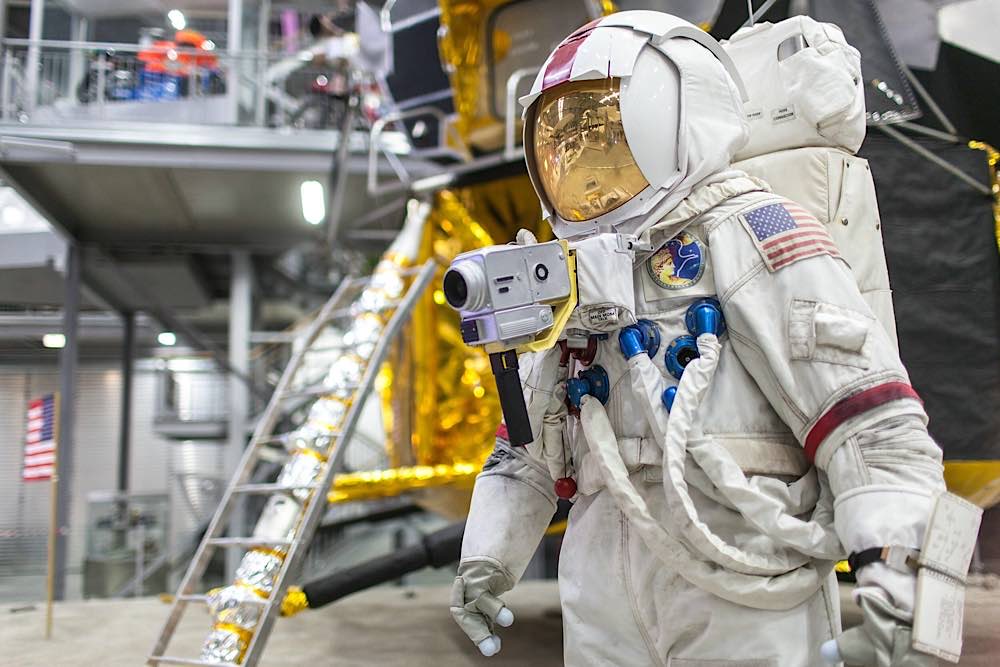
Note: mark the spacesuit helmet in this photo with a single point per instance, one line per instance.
(626, 115)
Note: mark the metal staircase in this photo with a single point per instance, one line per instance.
(244, 612)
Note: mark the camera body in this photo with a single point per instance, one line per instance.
(505, 294)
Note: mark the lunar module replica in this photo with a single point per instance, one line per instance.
(382, 395)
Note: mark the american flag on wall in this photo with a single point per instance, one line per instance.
(784, 233)
(40, 442)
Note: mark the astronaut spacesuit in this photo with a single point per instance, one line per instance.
(753, 423)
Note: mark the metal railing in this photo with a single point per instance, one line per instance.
(450, 140)
(55, 82)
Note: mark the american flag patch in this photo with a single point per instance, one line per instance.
(785, 232)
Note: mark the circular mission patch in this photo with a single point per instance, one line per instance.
(679, 263)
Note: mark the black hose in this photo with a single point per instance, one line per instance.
(436, 549)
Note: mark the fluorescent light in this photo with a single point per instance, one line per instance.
(176, 18)
(166, 338)
(313, 202)
(12, 216)
(54, 341)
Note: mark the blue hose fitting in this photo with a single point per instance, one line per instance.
(591, 382)
(705, 316)
(651, 334)
(681, 352)
(669, 394)
(630, 341)
(644, 335)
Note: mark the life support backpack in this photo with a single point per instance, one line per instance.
(806, 110)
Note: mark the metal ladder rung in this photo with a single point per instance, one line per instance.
(329, 348)
(279, 439)
(170, 660)
(316, 390)
(273, 488)
(351, 312)
(247, 542)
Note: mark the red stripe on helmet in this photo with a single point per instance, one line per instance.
(502, 432)
(560, 67)
(852, 406)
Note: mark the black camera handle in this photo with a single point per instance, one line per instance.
(515, 412)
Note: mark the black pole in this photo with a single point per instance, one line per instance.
(68, 359)
(434, 550)
(515, 412)
(125, 425)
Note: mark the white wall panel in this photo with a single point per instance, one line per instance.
(24, 507)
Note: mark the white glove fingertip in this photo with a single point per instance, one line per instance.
(505, 618)
(830, 652)
(490, 646)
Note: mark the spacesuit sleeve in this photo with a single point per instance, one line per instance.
(518, 464)
(513, 499)
(800, 326)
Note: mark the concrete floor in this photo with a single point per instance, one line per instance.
(385, 626)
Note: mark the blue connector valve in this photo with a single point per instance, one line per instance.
(669, 394)
(682, 351)
(591, 382)
(643, 336)
(651, 336)
(630, 341)
(705, 316)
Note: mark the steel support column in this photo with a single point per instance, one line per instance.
(36, 22)
(260, 61)
(234, 47)
(79, 28)
(240, 316)
(68, 359)
(125, 425)
(3, 20)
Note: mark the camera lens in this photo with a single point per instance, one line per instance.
(456, 290)
(465, 286)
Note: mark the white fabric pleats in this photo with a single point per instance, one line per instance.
(798, 554)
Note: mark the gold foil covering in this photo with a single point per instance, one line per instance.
(225, 643)
(992, 159)
(237, 605)
(394, 481)
(440, 406)
(259, 569)
(462, 43)
(294, 602)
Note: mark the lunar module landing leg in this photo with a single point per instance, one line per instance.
(372, 311)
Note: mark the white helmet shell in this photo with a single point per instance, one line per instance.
(681, 104)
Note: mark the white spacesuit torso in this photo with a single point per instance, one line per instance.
(735, 412)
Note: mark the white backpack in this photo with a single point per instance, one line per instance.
(806, 110)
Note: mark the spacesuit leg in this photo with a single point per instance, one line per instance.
(600, 625)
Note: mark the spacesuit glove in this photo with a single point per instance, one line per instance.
(884, 639)
(475, 604)
(877, 516)
(512, 504)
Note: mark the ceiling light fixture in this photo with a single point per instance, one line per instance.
(54, 341)
(313, 202)
(176, 18)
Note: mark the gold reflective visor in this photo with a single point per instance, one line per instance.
(582, 158)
